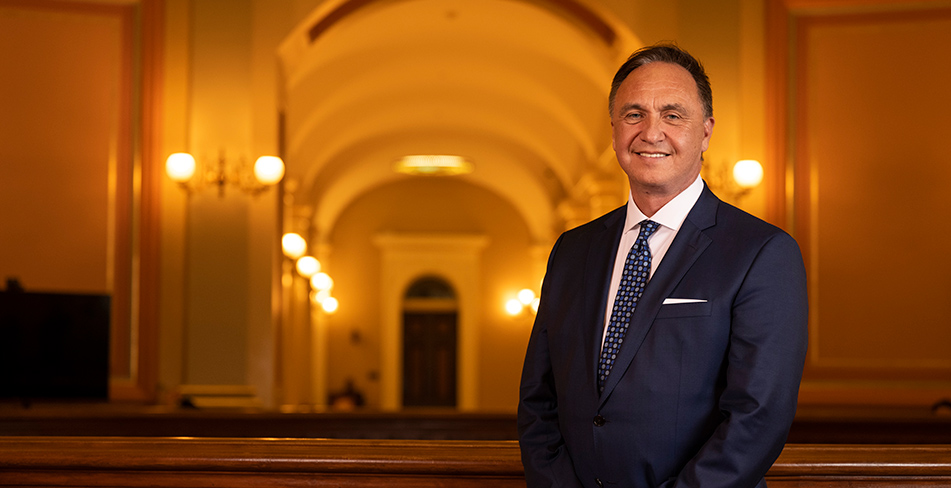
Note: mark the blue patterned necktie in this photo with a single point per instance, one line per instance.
(637, 269)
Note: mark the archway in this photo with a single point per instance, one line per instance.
(518, 87)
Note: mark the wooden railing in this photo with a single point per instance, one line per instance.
(812, 425)
(232, 462)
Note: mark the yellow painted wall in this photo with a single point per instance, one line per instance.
(221, 89)
(428, 205)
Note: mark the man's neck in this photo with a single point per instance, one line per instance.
(651, 199)
(650, 203)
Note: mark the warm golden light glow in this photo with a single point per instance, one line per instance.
(322, 281)
(183, 169)
(294, 245)
(513, 307)
(433, 165)
(180, 167)
(269, 169)
(330, 305)
(524, 299)
(748, 173)
(308, 266)
(318, 296)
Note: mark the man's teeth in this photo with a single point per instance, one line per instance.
(652, 155)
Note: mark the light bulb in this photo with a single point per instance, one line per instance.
(308, 266)
(319, 296)
(322, 281)
(526, 296)
(269, 169)
(748, 173)
(513, 307)
(294, 245)
(180, 167)
(330, 305)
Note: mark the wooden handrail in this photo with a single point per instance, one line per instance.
(262, 455)
(863, 460)
(201, 462)
(827, 425)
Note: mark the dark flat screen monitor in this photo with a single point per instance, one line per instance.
(54, 346)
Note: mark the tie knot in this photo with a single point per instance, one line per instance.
(647, 229)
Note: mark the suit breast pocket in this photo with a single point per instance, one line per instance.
(678, 310)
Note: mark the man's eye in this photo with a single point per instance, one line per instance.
(632, 116)
(672, 116)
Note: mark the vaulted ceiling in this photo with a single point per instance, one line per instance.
(518, 87)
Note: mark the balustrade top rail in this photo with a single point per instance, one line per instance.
(812, 425)
(243, 462)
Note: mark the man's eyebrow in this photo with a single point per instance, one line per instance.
(631, 106)
(676, 107)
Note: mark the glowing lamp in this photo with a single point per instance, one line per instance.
(294, 245)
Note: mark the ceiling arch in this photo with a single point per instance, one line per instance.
(520, 87)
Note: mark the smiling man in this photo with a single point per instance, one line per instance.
(671, 334)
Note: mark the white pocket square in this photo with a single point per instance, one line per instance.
(674, 301)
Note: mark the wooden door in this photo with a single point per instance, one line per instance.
(429, 359)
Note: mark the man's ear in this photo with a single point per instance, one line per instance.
(613, 145)
(707, 133)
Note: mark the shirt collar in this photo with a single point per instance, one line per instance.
(671, 215)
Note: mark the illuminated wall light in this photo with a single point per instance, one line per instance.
(180, 167)
(294, 245)
(513, 307)
(308, 266)
(322, 281)
(748, 173)
(269, 169)
(320, 295)
(525, 299)
(330, 305)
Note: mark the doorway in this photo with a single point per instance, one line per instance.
(430, 319)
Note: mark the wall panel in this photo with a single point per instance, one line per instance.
(870, 175)
(76, 203)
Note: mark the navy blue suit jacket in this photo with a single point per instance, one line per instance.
(701, 394)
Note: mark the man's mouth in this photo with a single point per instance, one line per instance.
(652, 154)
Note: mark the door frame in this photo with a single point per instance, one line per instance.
(405, 257)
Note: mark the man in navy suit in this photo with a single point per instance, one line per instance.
(704, 374)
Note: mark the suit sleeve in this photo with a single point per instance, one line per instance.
(765, 361)
(544, 455)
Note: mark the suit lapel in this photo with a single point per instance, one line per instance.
(683, 252)
(599, 265)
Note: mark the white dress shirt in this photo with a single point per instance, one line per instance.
(670, 217)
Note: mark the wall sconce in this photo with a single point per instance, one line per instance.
(307, 266)
(295, 248)
(266, 172)
(525, 301)
(734, 184)
(293, 245)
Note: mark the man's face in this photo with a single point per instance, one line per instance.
(659, 130)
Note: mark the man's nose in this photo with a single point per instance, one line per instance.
(652, 130)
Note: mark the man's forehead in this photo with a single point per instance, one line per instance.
(658, 83)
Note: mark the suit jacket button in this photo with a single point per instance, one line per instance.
(598, 481)
(599, 421)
